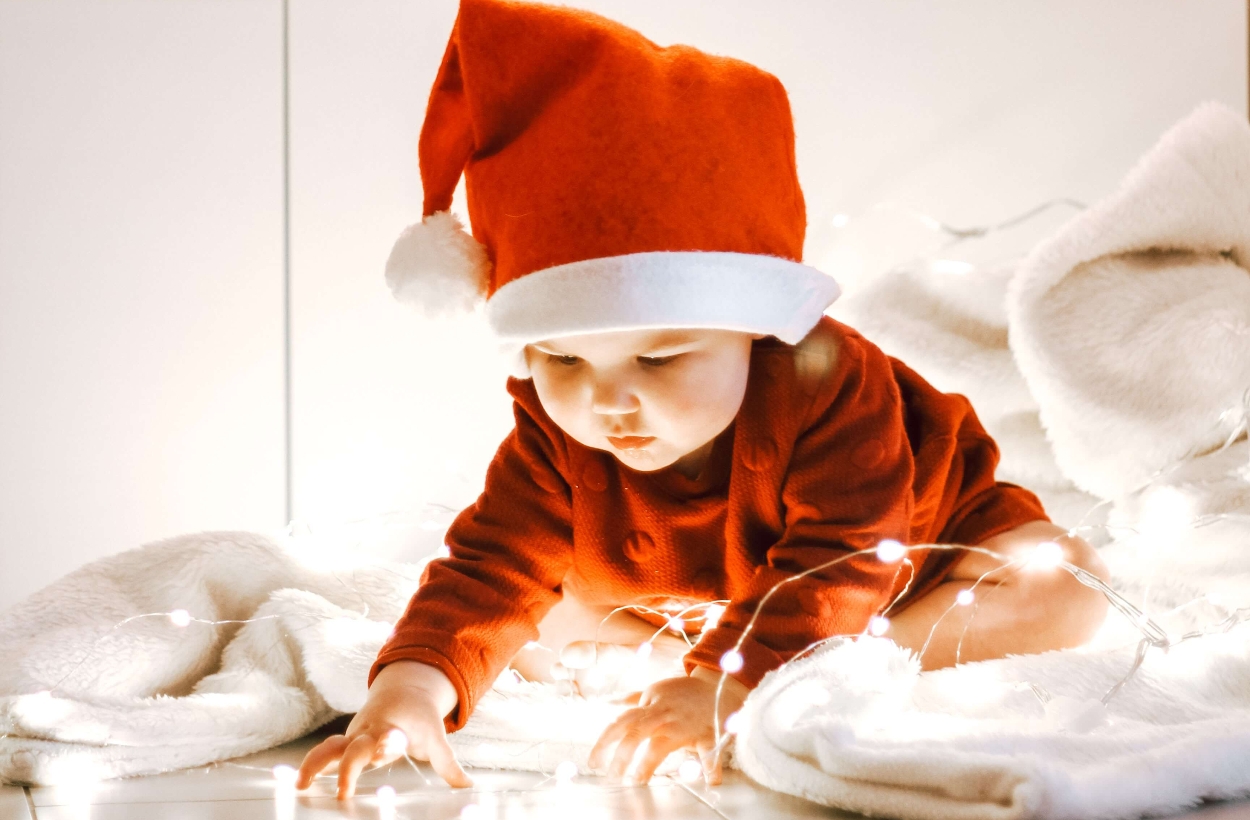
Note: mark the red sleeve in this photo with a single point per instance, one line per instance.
(509, 554)
(848, 486)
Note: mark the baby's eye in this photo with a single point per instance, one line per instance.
(656, 361)
(564, 360)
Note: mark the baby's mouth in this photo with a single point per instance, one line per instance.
(630, 442)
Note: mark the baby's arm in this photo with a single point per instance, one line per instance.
(403, 714)
(473, 610)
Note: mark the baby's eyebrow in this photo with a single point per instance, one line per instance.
(662, 346)
(671, 348)
(549, 351)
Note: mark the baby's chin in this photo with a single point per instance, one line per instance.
(642, 460)
(648, 459)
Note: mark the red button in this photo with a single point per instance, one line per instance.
(868, 454)
(759, 455)
(639, 547)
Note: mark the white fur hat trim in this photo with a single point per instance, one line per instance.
(752, 293)
(437, 266)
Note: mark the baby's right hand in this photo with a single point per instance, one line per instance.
(403, 714)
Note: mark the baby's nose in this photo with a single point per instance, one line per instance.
(613, 399)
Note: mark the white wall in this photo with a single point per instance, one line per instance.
(140, 276)
(140, 366)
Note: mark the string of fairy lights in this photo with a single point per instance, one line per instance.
(1046, 556)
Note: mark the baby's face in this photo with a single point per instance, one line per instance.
(649, 397)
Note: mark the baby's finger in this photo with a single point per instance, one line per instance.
(628, 699)
(357, 755)
(318, 758)
(615, 731)
(710, 757)
(625, 751)
(579, 655)
(657, 748)
(443, 761)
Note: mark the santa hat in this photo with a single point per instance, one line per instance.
(612, 184)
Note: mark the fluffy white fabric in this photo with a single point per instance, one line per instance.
(95, 686)
(1132, 325)
(1130, 329)
(100, 682)
(86, 692)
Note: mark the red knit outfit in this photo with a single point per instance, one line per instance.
(835, 447)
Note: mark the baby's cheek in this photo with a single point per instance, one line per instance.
(558, 395)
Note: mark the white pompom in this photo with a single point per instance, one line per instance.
(437, 266)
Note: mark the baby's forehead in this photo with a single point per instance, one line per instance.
(635, 340)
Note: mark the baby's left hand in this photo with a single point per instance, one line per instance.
(672, 714)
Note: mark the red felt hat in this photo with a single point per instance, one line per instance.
(612, 184)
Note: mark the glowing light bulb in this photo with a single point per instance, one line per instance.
(731, 661)
(840, 220)
(677, 624)
(712, 616)
(594, 678)
(1167, 515)
(690, 771)
(733, 723)
(444, 551)
(889, 551)
(386, 802)
(284, 775)
(77, 781)
(964, 597)
(644, 650)
(1046, 555)
(878, 626)
(566, 771)
(180, 618)
(395, 743)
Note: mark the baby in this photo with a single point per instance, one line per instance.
(690, 427)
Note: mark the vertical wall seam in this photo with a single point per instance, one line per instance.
(287, 478)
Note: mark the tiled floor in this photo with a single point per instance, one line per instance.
(245, 790)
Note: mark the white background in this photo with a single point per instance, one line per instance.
(145, 206)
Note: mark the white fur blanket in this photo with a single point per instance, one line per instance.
(216, 645)
(1125, 337)
(1132, 360)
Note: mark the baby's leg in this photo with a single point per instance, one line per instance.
(1015, 609)
(577, 626)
